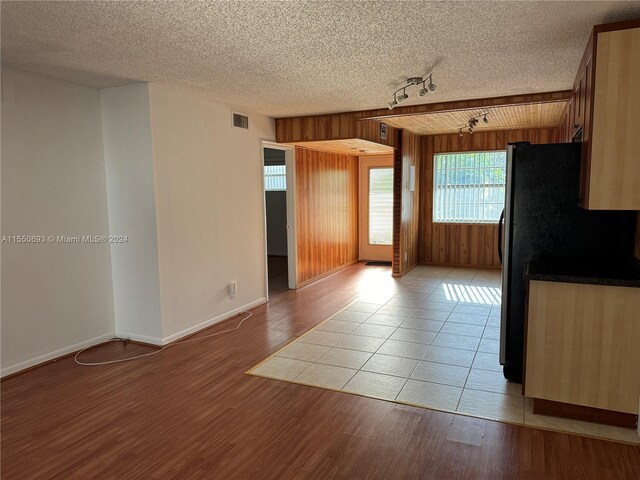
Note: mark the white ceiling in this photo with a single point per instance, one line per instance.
(302, 57)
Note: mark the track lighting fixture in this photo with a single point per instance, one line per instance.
(473, 123)
(429, 87)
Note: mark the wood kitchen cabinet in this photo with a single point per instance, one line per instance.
(583, 345)
(604, 113)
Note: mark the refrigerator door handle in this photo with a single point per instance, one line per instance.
(500, 222)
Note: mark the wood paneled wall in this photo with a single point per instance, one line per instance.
(408, 210)
(463, 244)
(326, 213)
(335, 126)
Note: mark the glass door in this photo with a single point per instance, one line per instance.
(376, 208)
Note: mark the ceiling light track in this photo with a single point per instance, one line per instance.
(398, 97)
(473, 123)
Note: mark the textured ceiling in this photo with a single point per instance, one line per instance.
(303, 57)
(537, 115)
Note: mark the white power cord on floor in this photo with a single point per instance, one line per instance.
(91, 364)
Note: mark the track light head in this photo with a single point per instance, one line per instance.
(425, 82)
(485, 120)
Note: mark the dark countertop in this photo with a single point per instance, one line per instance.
(619, 273)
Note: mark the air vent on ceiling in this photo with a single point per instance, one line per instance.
(240, 121)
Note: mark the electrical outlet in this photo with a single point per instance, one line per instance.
(233, 289)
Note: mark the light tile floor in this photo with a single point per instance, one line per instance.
(430, 339)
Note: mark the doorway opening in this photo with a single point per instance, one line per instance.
(376, 209)
(278, 172)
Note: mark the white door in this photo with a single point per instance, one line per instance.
(376, 208)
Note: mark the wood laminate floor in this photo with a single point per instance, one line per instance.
(191, 413)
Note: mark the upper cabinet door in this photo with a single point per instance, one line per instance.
(614, 181)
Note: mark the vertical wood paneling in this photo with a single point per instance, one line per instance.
(406, 203)
(463, 244)
(326, 212)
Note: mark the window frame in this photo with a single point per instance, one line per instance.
(433, 185)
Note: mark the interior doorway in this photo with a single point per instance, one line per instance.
(376, 208)
(278, 170)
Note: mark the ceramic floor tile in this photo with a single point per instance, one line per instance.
(350, 316)
(358, 342)
(341, 357)
(318, 337)
(414, 289)
(362, 307)
(404, 302)
(456, 341)
(375, 385)
(377, 298)
(492, 381)
(489, 345)
(427, 314)
(416, 336)
(487, 361)
(388, 365)
(281, 368)
(451, 356)
(422, 324)
(463, 329)
(431, 304)
(399, 348)
(492, 333)
(430, 395)
(469, 319)
(372, 330)
(473, 310)
(493, 322)
(303, 351)
(495, 406)
(396, 310)
(380, 319)
(411, 295)
(338, 326)
(441, 373)
(327, 376)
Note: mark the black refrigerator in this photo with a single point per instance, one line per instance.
(542, 219)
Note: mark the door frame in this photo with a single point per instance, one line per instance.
(385, 161)
(290, 168)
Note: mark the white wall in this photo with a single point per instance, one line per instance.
(209, 209)
(126, 126)
(56, 298)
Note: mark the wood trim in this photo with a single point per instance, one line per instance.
(523, 99)
(585, 414)
(623, 25)
(396, 264)
(340, 126)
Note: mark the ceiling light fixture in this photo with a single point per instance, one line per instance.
(473, 123)
(429, 87)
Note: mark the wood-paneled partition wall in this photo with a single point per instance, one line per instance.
(326, 213)
(406, 203)
(463, 244)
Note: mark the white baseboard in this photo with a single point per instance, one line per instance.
(55, 354)
(138, 338)
(213, 321)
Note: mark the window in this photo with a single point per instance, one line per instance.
(380, 206)
(275, 178)
(469, 187)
